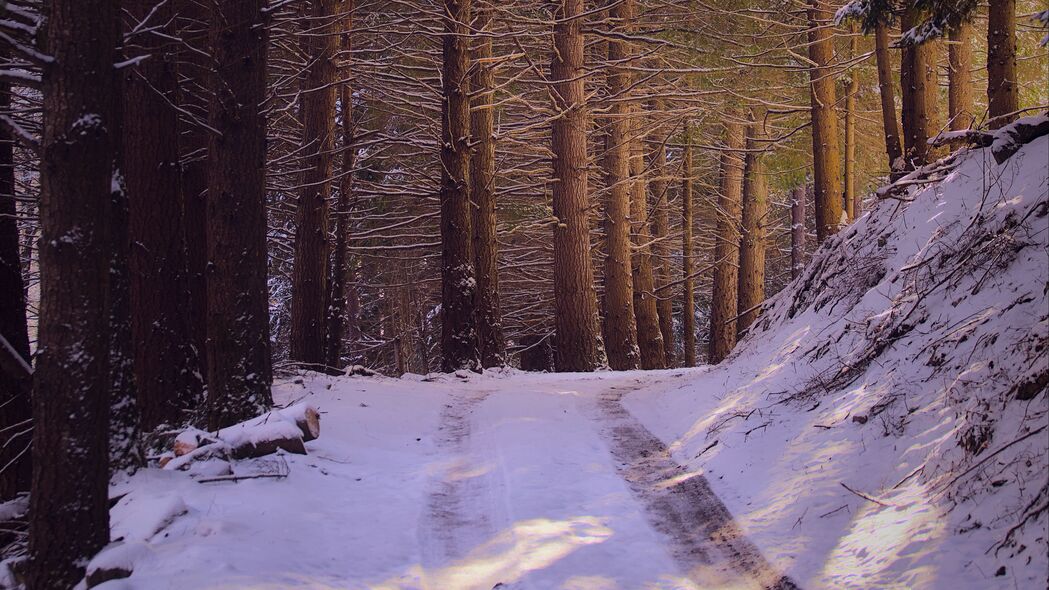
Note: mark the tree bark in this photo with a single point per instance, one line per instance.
(797, 231)
(166, 366)
(918, 82)
(482, 190)
(661, 244)
(752, 240)
(310, 277)
(239, 369)
(575, 311)
(852, 205)
(341, 272)
(959, 93)
(888, 99)
(688, 302)
(646, 314)
(1002, 99)
(458, 282)
(15, 408)
(619, 326)
(826, 156)
(724, 299)
(194, 70)
(69, 508)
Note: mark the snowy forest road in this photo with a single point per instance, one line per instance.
(502, 481)
(468, 504)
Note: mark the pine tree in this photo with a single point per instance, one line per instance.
(239, 369)
(724, 300)
(309, 296)
(575, 311)
(1002, 97)
(458, 281)
(826, 157)
(69, 510)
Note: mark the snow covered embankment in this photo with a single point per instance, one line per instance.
(885, 424)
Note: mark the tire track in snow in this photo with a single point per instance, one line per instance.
(702, 535)
(456, 519)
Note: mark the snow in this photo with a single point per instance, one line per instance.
(868, 433)
(950, 286)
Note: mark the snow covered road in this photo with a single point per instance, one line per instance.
(522, 482)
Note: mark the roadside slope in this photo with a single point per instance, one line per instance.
(884, 425)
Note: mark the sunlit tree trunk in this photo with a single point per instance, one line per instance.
(724, 300)
(826, 156)
(752, 239)
(575, 311)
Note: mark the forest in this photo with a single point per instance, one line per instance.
(225, 221)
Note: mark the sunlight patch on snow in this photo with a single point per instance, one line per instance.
(507, 557)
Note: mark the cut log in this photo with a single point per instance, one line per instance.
(258, 448)
(306, 418)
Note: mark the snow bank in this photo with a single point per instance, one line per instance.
(885, 423)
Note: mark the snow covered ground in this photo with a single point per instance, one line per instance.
(884, 426)
(496, 481)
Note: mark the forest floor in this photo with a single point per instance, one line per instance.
(507, 480)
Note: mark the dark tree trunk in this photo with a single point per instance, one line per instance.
(166, 367)
(752, 240)
(688, 302)
(619, 327)
(826, 156)
(458, 283)
(340, 268)
(124, 417)
(310, 276)
(1002, 99)
(918, 84)
(852, 88)
(724, 299)
(239, 369)
(69, 511)
(575, 312)
(15, 408)
(194, 71)
(482, 191)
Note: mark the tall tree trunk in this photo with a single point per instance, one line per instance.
(826, 156)
(340, 268)
(724, 299)
(458, 284)
(69, 510)
(166, 366)
(797, 231)
(124, 415)
(309, 292)
(888, 99)
(661, 245)
(959, 94)
(918, 82)
(619, 327)
(852, 205)
(1002, 99)
(752, 240)
(575, 311)
(649, 336)
(482, 190)
(688, 302)
(239, 365)
(194, 70)
(15, 408)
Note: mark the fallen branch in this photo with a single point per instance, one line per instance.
(865, 496)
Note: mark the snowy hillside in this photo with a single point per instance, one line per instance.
(884, 426)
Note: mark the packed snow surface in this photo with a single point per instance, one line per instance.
(883, 426)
